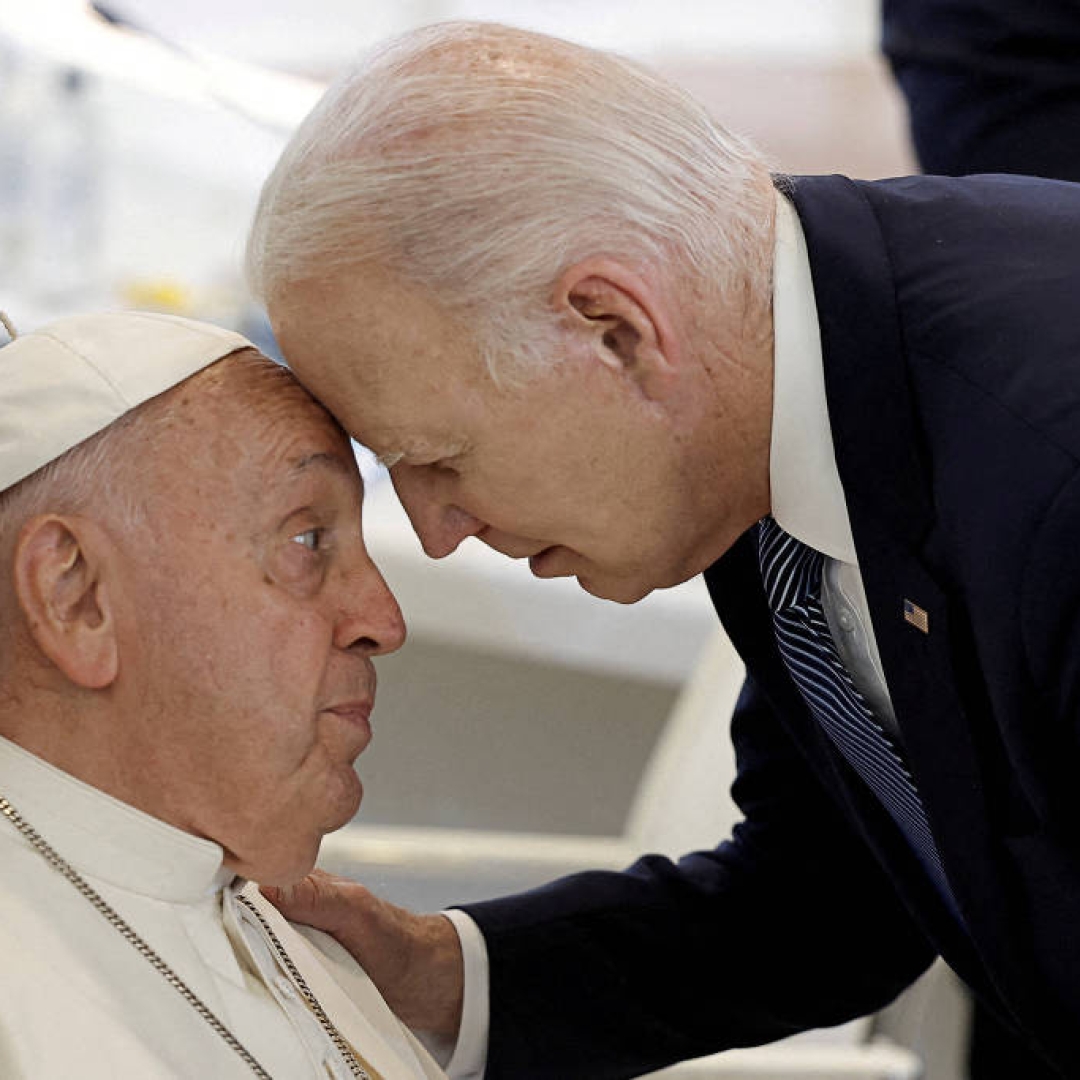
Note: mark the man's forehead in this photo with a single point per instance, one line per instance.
(368, 327)
(310, 444)
(254, 424)
(400, 379)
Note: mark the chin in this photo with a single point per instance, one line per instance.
(295, 859)
(347, 803)
(284, 868)
(619, 592)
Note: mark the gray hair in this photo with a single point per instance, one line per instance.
(94, 474)
(478, 161)
(85, 475)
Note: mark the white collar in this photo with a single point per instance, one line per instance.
(806, 494)
(107, 839)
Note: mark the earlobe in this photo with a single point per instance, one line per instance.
(61, 588)
(620, 316)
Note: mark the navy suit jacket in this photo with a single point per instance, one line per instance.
(950, 324)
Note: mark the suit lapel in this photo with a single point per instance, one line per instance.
(881, 459)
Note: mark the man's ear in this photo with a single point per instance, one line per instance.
(622, 318)
(62, 589)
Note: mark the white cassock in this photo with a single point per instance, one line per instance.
(78, 1002)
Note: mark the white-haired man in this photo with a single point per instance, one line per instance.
(583, 324)
(189, 621)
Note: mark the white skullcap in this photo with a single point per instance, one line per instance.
(68, 381)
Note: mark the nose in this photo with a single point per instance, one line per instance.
(440, 524)
(369, 618)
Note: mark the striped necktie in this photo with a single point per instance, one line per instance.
(792, 574)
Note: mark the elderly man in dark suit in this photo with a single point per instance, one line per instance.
(584, 324)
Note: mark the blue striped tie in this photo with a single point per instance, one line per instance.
(792, 573)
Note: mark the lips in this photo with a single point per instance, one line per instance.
(357, 711)
(356, 714)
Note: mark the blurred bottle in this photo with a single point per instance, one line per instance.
(16, 133)
(65, 189)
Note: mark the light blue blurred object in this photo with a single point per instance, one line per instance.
(51, 169)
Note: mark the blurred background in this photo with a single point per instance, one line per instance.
(134, 141)
(526, 729)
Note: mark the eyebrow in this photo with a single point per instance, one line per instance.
(319, 459)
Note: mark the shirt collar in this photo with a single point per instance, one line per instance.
(806, 494)
(106, 839)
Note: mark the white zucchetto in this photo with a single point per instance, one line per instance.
(69, 380)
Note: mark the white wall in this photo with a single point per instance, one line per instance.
(322, 33)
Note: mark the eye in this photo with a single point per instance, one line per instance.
(314, 540)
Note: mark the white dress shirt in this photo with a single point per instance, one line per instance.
(806, 494)
(77, 1000)
(807, 501)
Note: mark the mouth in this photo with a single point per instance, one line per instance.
(357, 716)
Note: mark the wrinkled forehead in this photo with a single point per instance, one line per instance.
(247, 385)
(239, 427)
(379, 353)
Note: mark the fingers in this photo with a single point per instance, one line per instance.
(414, 960)
(322, 900)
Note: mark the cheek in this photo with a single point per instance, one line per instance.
(304, 639)
(260, 677)
(273, 633)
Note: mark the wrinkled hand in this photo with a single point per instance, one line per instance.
(414, 960)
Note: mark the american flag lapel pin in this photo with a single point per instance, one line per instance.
(916, 616)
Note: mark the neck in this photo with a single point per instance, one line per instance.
(74, 731)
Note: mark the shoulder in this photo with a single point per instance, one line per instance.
(349, 996)
(943, 217)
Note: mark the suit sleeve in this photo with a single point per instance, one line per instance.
(789, 924)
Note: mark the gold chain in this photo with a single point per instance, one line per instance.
(312, 1001)
(117, 922)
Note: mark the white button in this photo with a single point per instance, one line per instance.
(285, 987)
(846, 620)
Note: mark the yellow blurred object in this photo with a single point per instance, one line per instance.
(168, 297)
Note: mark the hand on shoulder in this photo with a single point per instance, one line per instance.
(414, 960)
